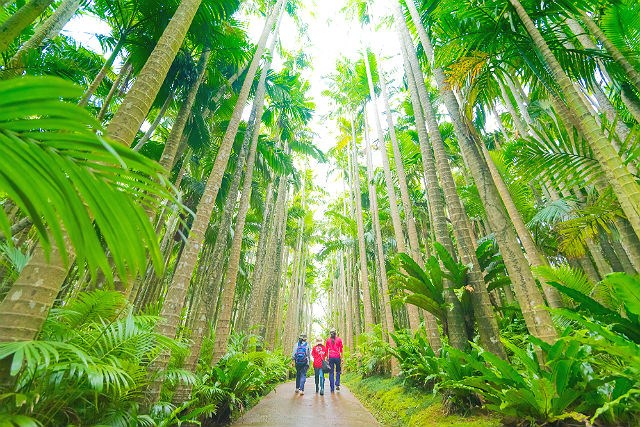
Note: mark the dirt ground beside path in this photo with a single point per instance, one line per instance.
(282, 407)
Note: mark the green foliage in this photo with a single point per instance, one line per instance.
(372, 354)
(604, 302)
(590, 374)
(492, 264)
(66, 178)
(236, 382)
(422, 368)
(89, 365)
(561, 388)
(395, 403)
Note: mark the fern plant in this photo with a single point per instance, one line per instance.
(89, 365)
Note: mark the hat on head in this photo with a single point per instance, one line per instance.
(303, 337)
(319, 341)
(332, 330)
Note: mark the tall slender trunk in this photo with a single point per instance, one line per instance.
(102, 73)
(412, 231)
(174, 300)
(173, 141)
(604, 103)
(630, 72)
(154, 125)
(435, 164)
(21, 19)
(137, 103)
(48, 29)
(228, 291)
(535, 258)
(364, 275)
(287, 336)
(414, 318)
(385, 301)
(532, 304)
(623, 183)
(122, 76)
(262, 283)
(350, 313)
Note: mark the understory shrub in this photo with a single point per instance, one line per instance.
(90, 367)
(372, 354)
(589, 376)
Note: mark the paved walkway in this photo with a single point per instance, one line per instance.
(282, 407)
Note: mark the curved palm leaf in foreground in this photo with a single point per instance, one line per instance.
(71, 183)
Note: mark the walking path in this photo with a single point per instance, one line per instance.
(282, 407)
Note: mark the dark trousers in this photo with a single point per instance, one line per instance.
(301, 376)
(319, 377)
(334, 364)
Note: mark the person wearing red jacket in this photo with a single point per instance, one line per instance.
(334, 350)
(319, 354)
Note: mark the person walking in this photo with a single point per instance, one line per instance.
(334, 350)
(319, 354)
(300, 357)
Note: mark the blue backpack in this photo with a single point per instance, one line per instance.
(300, 356)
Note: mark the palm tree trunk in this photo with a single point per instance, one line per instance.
(16, 23)
(229, 289)
(414, 318)
(603, 101)
(275, 317)
(173, 141)
(261, 283)
(161, 113)
(385, 302)
(454, 319)
(174, 300)
(26, 305)
(222, 238)
(623, 183)
(517, 121)
(138, 101)
(412, 231)
(364, 276)
(535, 258)
(50, 28)
(101, 75)
(124, 74)
(532, 304)
(630, 72)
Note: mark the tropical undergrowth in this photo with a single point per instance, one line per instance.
(589, 376)
(89, 367)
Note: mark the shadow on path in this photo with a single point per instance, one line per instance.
(282, 407)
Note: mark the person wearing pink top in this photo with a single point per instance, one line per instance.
(334, 350)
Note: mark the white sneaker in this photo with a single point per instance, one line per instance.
(297, 391)
(301, 392)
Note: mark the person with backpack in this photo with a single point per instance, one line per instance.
(319, 354)
(300, 357)
(334, 350)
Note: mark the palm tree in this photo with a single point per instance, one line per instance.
(49, 29)
(67, 197)
(182, 276)
(538, 320)
(622, 182)
(21, 19)
(127, 120)
(482, 305)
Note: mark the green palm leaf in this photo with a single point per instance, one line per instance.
(72, 182)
